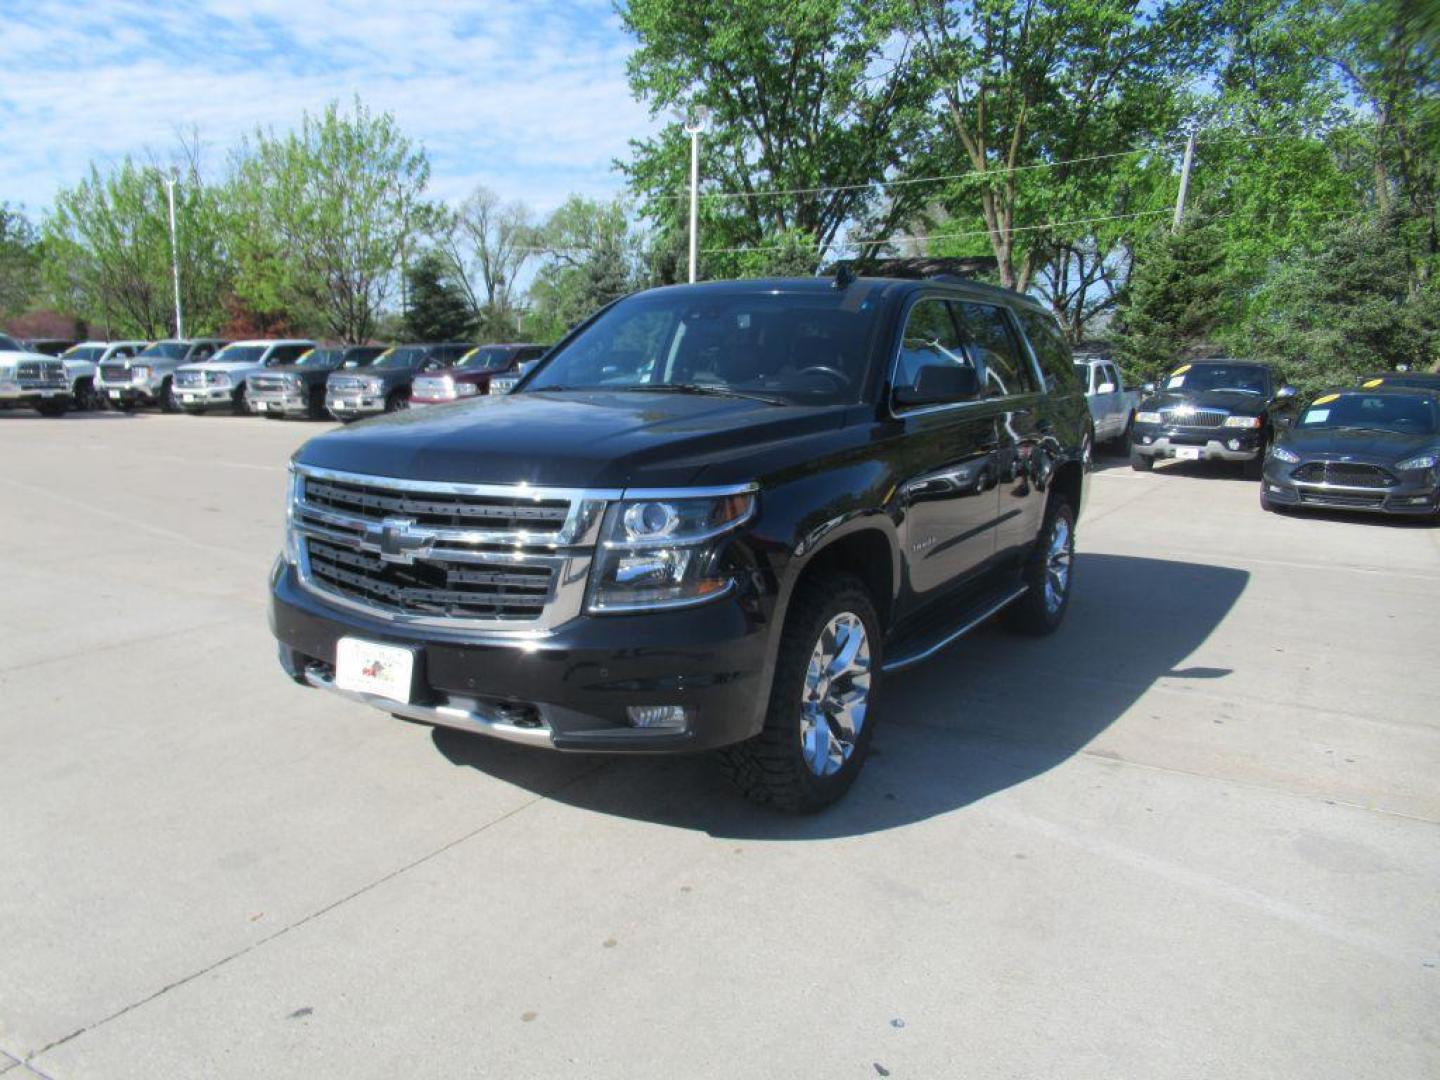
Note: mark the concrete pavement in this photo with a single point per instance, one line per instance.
(1193, 834)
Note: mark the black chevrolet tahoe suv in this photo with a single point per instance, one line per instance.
(1211, 410)
(715, 516)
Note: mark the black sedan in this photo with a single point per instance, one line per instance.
(1374, 449)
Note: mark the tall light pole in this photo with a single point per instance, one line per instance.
(697, 122)
(171, 179)
(1184, 182)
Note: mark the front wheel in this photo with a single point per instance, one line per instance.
(167, 397)
(1141, 462)
(51, 408)
(241, 403)
(821, 713)
(1047, 574)
(397, 401)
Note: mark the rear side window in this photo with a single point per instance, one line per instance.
(931, 337)
(286, 354)
(1050, 349)
(1007, 371)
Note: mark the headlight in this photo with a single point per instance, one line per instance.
(1424, 461)
(140, 372)
(292, 382)
(1147, 418)
(663, 552)
(1242, 421)
(466, 389)
(373, 386)
(1279, 453)
(218, 378)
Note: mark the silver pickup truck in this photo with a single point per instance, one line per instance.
(29, 380)
(82, 366)
(1112, 406)
(222, 382)
(148, 378)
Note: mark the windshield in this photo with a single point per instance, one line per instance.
(484, 359)
(166, 350)
(406, 356)
(359, 358)
(9, 344)
(84, 352)
(240, 354)
(1247, 378)
(808, 348)
(1376, 412)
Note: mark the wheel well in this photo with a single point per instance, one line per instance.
(1066, 483)
(867, 555)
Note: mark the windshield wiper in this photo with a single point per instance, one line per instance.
(702, 388)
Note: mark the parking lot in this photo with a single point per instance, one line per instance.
(1192, 834)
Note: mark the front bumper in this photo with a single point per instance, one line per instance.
(568, 690)
(1223, 444)
(349, 406)
(127, 393)
(286, 402)
(205, 397)
(1416, 495)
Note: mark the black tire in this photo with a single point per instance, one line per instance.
(167, 397)
(241, 403)
(397, 401)
(86, 397)
(1141, 462)
(1254, 469)
(771, 768)
(51, 408)
(1040, 611)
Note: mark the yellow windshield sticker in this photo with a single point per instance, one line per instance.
(303, 355)
(1370, 384)
(386, 353)
(469, 354)
(1180, 370)
(1326, 399)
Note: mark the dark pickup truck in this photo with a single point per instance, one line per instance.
(298, 389)
(715, 516)
(384, 384)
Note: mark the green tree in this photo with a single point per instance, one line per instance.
(810, 98)
(593, 257)
(488, 243)
(1171, 304)
(321, 218)
(19, 260)
(107, 251)
(438, 308)
(1348, 308)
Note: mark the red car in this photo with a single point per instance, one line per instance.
(471, 374)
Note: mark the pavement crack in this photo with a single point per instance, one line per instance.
(316, 914)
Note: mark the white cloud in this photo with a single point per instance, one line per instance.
(528, 98)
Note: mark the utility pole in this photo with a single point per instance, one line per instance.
(170, 181)
(699, 118)
(1184, 182)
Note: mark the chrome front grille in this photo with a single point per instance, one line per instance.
(433, 386)
(1343, 474)
(114, 373)
(346, 384)
(505, 558)
(270, 384)
(1194, 418)
(40, 373)
(191, 380)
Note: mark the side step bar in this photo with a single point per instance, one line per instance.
(924, 653)
(475, 718)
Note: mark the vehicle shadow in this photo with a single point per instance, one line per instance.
(990, 712)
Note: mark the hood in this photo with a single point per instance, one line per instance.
(572, 439)
(1377, 447)
(304, 370)
(1232, 401)
(227, 365)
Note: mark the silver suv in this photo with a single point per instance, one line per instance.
(82, 361)
(149, 377)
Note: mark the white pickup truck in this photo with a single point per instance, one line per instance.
(1112, 406)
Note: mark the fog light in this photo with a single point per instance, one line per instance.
(658, 717)
(1148, 439)
(1234, 444)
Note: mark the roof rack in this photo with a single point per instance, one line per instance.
(936, 268)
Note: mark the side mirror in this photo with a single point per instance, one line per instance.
(940, 384)
(1149, 388)
(1284, 393)
(1105, 388)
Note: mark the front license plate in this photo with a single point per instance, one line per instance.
(1187, 453)
(115, 395)
(187, 397)
(503, 386)
(371, 668)
(262, 406)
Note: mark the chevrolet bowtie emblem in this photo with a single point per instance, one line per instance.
(398, 541)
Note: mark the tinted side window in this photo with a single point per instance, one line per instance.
(931, 337)
(1007, 371)
(530, 354)
(1050, 348)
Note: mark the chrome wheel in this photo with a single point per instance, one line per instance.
(835, 694)
(1057, 565)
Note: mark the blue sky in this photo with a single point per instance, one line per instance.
(528, 98)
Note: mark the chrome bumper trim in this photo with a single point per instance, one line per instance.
(469, 716)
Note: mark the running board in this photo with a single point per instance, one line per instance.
(910, 659)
